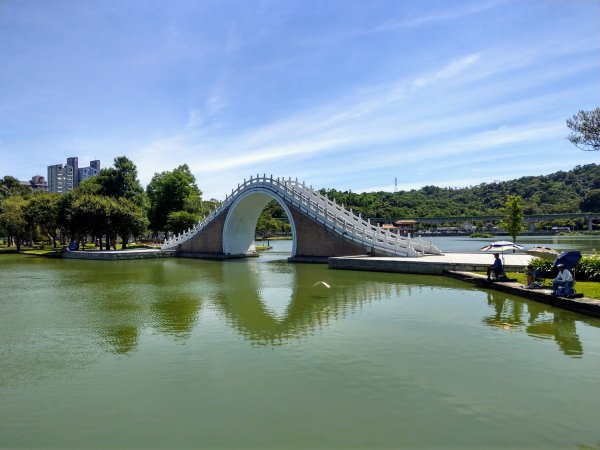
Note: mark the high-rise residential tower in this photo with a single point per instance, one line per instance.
(73, 161)
(60, 178)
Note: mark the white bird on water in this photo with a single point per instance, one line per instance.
(321, 283)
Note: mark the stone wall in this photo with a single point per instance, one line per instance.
(209, 240)
(312, 239)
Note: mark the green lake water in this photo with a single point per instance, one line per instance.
(180, 353)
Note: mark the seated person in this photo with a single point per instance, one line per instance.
(532, 277)
(497, 268)
(562, 279)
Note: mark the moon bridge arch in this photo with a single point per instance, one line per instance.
(321, 228)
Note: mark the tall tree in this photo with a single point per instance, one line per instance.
(170, 192)
(513, 216)
(129, 219)
(12, 218)
(585, 127)
(42, 210)
(121, 183)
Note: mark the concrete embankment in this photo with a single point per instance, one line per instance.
(462, 266)
(112, 255)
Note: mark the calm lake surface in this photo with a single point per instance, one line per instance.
(179, 353)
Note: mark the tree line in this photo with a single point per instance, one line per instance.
(114, 204)
(108, 206)
(576, 190)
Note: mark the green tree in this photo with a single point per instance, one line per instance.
(42, 210)
(179, 221)
(121, 184)
(12, 219)
(131, 220)
(88, 214)
(585, 127)
(120, 181)
(172, 191)
(591, 201)
(513, 216)
(10, 186)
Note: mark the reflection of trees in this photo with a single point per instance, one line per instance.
(507, 313)
(123, 338)
(543, 321)
(155, 293)
(559, 325)
(176, 315)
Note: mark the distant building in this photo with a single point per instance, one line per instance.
(73, 161)
(60, 178)
(86, 172)
(406, 226)
(37, 183)
(64, 178)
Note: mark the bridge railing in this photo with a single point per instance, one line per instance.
(333, 216)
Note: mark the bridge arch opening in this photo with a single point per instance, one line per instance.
(239, 229)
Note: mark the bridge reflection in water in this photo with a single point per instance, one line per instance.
(274, 303)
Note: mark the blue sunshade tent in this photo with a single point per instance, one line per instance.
(569, 259)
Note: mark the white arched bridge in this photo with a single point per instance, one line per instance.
(320, 227)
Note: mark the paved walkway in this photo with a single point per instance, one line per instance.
(430, 264)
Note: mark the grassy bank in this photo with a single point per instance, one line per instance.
(590, 289)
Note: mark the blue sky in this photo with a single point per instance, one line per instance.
(343, 94)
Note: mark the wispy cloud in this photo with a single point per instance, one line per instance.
(441, 15)
(371, 117)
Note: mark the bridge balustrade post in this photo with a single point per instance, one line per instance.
(590, 223)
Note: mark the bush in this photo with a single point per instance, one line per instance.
(543, 266)
(588, 268)
(481, 235)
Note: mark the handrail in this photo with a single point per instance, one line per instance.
(337, 218)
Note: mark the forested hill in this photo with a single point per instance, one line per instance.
(560, 192)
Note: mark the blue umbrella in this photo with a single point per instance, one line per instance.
(568, 259)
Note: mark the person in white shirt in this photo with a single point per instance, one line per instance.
(563, 277)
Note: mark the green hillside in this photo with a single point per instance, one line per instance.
(560, 192)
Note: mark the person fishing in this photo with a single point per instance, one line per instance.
(562, 279)
(496, 268)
